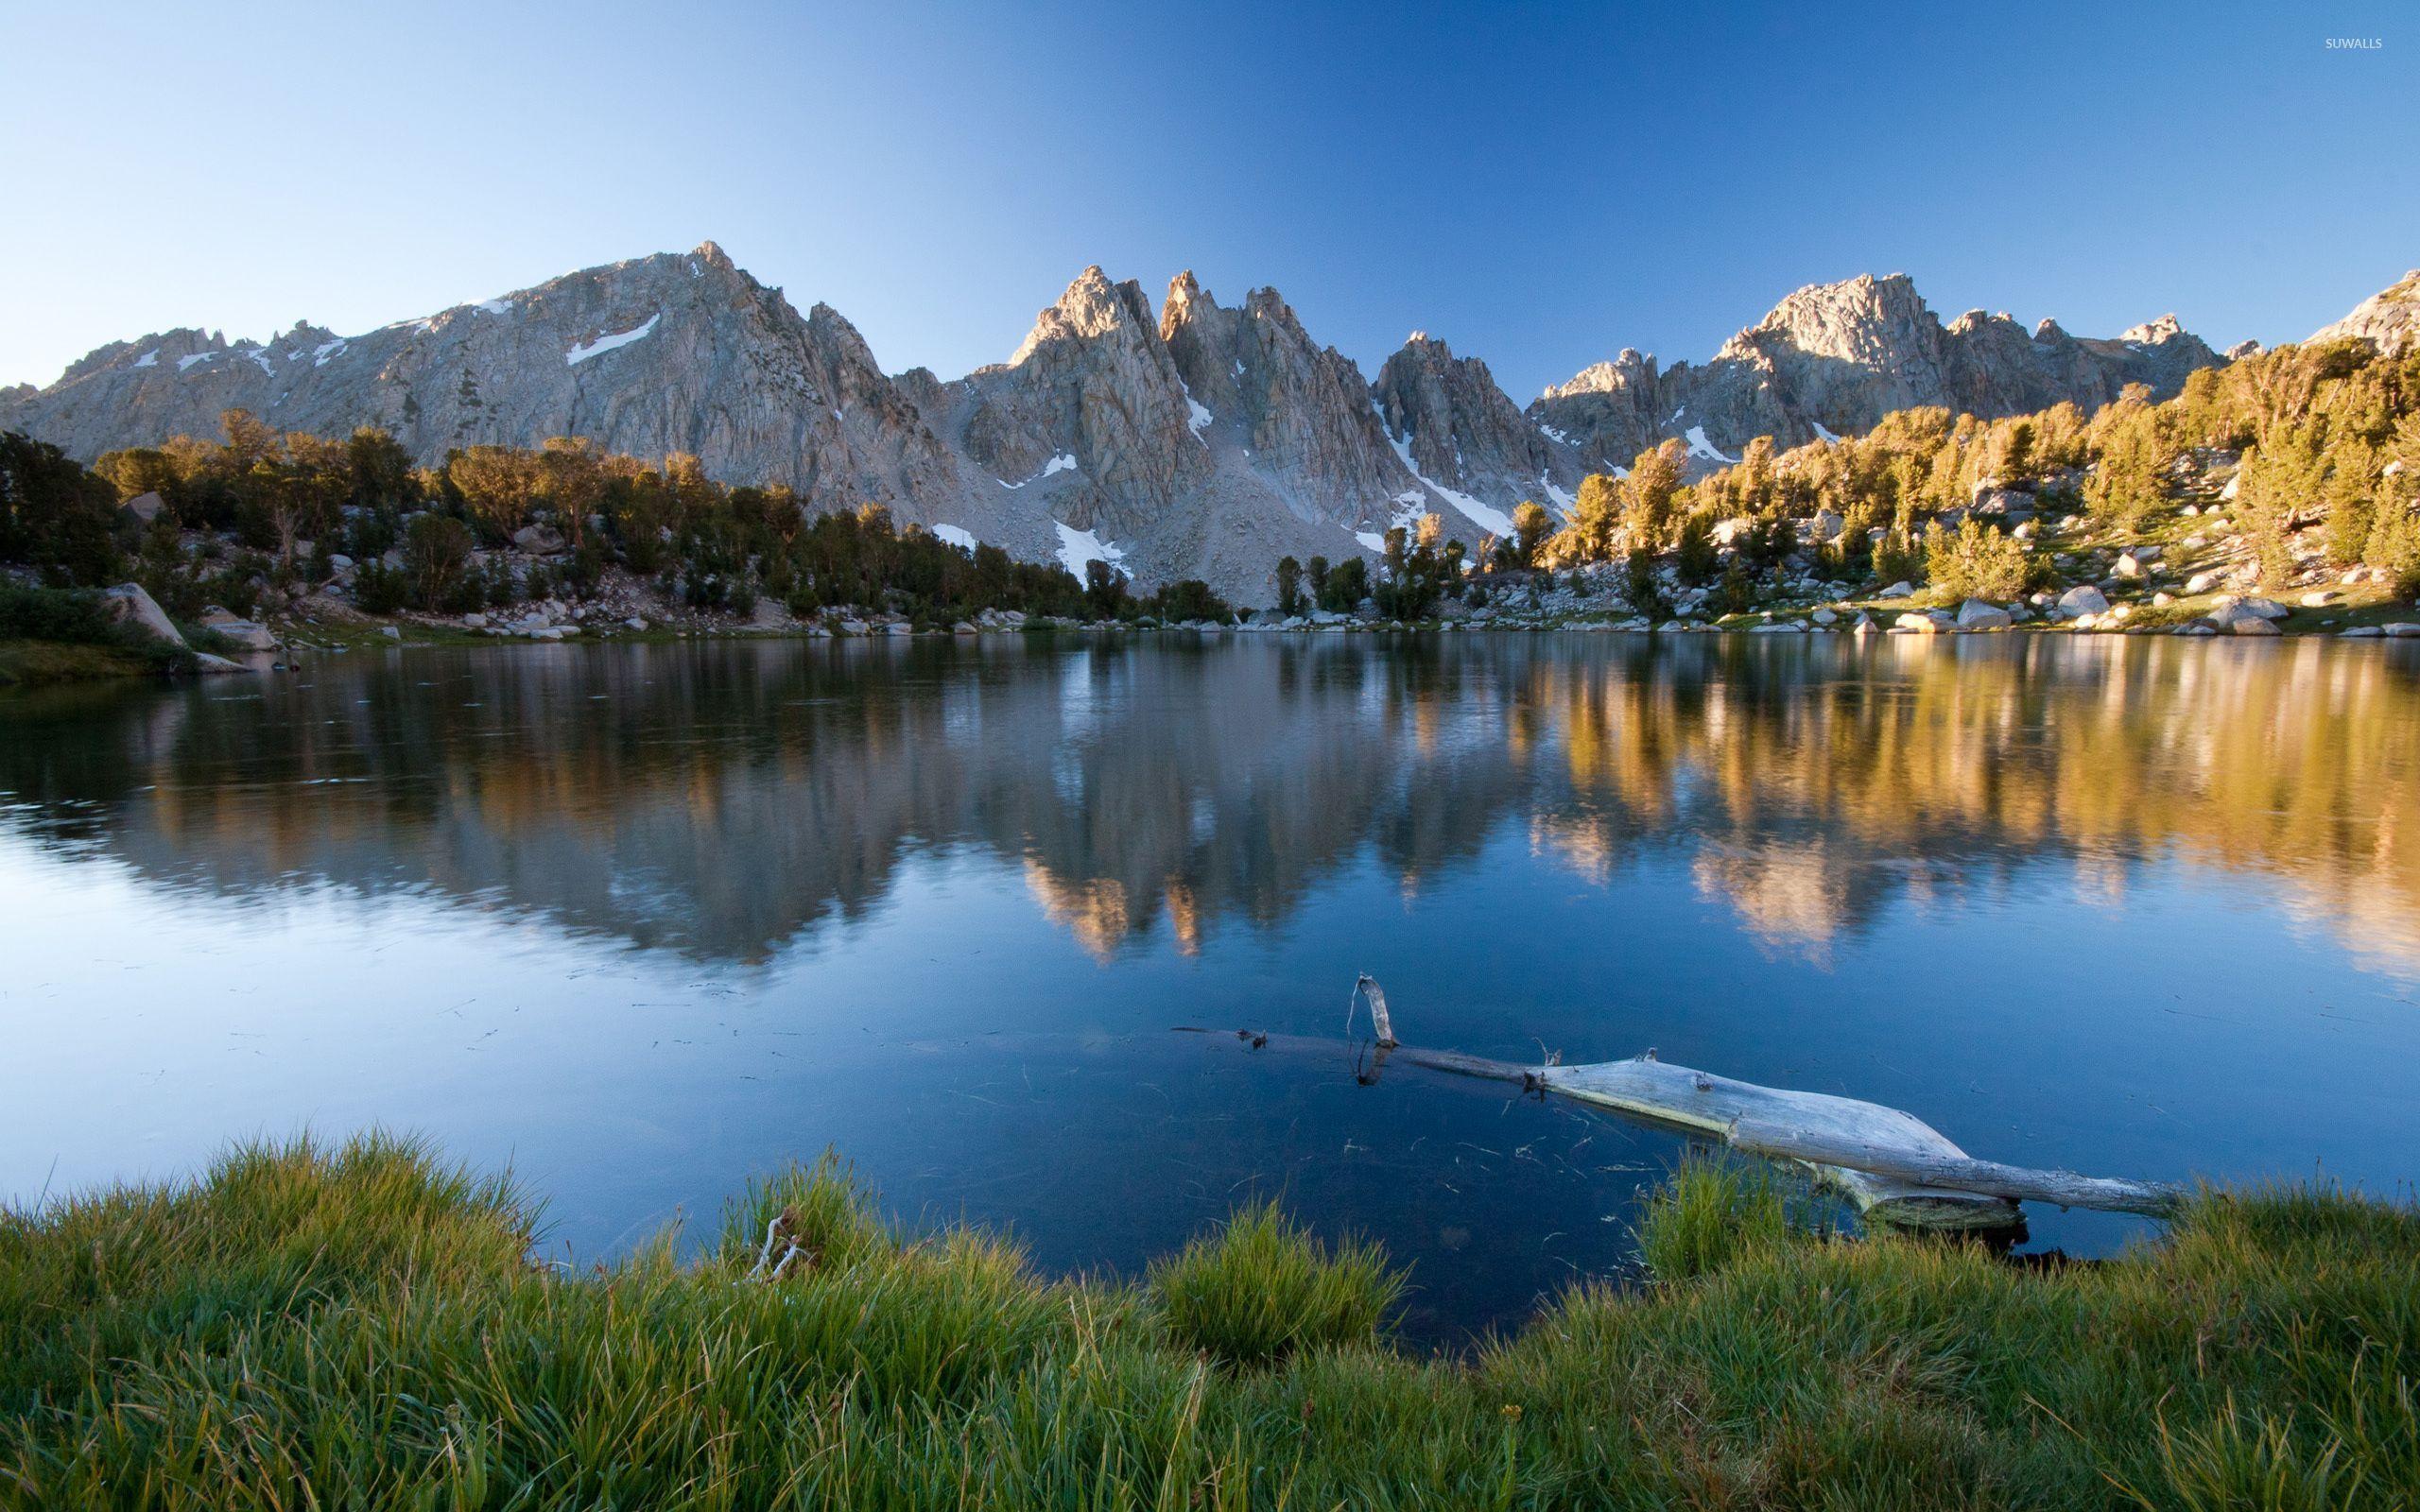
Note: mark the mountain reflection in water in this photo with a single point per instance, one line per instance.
(726, 800)
(644, 920)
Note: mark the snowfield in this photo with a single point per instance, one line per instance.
(1079, 548)
(604, 344)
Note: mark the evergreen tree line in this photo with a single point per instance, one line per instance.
(291, 501)
(2329, 435)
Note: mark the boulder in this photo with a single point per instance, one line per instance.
(1865, 625)
(539, 541)
(247, 634)
(2205, 582)
(1975, 614)
(2132, 566)
(1914, 624)
(2402, 630)
(127, 603)
(2324, 596)
(2252, 625)
(2083, 599)
(1824, 616)
(143, 508)
(1898, 590)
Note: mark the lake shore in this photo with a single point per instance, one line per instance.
(31, 663)
(346, 1324)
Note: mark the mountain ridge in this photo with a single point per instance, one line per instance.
(1185, 438)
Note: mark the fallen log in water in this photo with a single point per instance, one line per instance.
(1895, 1167)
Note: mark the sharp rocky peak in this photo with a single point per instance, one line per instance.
(1093, 306)
(1461, 430)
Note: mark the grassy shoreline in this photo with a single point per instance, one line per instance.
(45, 663)
(361, 1325)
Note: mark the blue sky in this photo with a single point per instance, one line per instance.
(1539, 184)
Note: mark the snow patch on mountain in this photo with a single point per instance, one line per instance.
(1079, 549)
(1485, 516)
(1700, 447)
(604, 344)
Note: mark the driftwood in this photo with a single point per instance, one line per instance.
(1891, 1165)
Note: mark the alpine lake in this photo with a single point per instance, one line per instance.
(641, 921)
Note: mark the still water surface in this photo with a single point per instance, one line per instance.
(643, 921)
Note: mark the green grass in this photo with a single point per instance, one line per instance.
(361, 1327)
(39, 664)
(1263, 1288)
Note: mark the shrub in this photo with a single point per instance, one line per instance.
(1897, 561)
(1696, 557)
(1978, 562)
(1639, 584)
(2394, 546)
(378, 588)
(1262, 1288)
(1734, 594)
(435, 550)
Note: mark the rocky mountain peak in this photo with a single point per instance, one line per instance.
(1460, 430)
(1094, 385)
(1300, 411)
(1834, 358)
(1092, 307)
(2389, 318)
(1627, 370)
(2153, 331)
(1863, 320)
